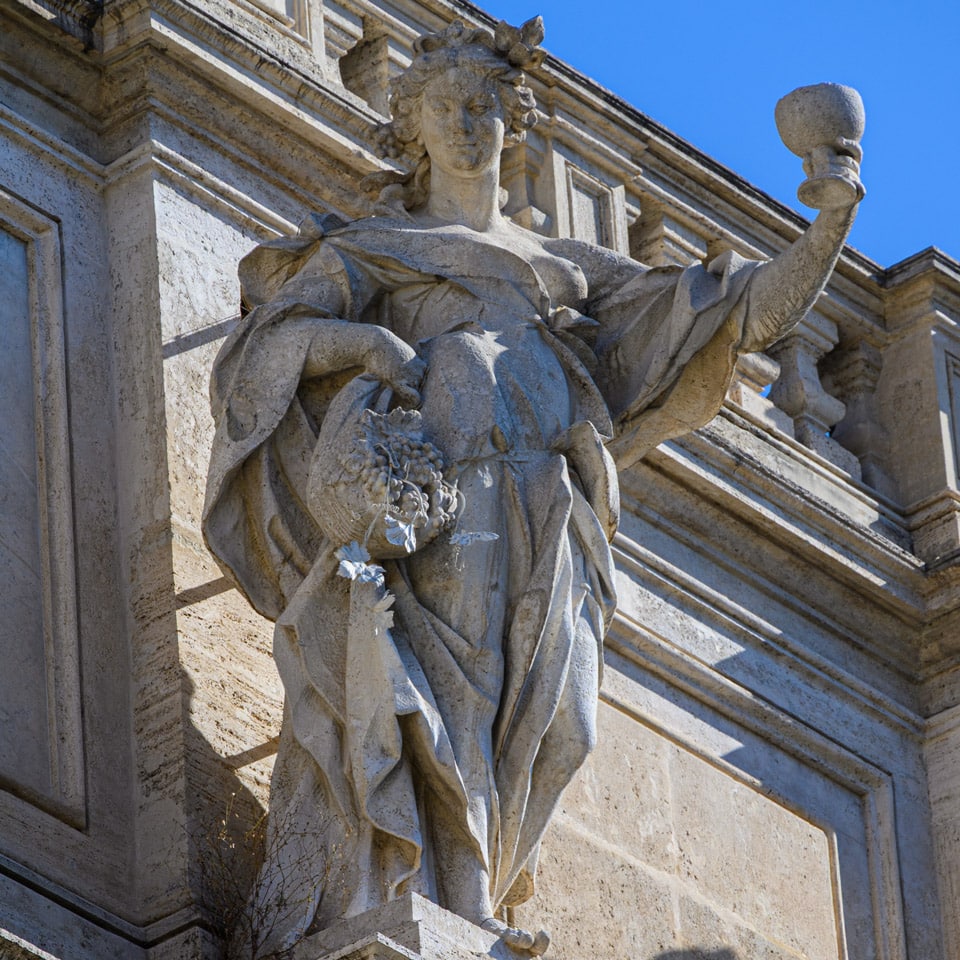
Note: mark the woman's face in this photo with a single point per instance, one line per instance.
(462, 122)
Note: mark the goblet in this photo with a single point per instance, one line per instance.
(823, 124)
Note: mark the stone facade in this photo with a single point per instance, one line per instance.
(778, 774)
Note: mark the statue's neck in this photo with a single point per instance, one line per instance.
(473, 201)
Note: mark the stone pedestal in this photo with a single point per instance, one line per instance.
(410, 928)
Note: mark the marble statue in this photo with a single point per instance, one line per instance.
(418, 425)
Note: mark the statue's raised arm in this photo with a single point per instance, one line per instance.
(823, 124)
(672, 336)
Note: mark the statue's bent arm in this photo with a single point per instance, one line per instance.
(322, 289)
(340, 344)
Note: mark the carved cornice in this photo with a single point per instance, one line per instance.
(928, 261)
(926, 285)
(78, 18)
(921, 291)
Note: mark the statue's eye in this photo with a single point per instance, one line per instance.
(440, 106)
(479, 107)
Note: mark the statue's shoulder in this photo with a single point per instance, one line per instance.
(604, 268)
(329, 226)
(269, 265)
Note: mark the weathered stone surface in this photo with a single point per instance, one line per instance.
(437, 707)
(592, 893)
(656, 848)
(729, 838)
(774, 620)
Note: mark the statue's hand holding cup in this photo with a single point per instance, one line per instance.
(823, 125)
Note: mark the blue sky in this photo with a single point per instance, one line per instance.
(712, 73)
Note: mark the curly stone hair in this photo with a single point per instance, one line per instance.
(500, 56)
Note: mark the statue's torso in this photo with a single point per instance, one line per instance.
(482, 325)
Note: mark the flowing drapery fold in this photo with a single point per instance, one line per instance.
(462, 690)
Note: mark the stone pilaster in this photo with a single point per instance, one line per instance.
(918, 400)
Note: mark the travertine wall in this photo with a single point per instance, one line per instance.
(778, 769)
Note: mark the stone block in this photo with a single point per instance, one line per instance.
(596, 901)
(621, 797)
(708, 935)
(754, 859)
(647, 823)
(410, 927)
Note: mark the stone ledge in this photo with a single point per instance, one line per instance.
(78, 18)
(409, 928)
(13, 948)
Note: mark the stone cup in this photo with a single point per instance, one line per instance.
(823, 125)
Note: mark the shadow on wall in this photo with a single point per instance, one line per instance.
(226, 833)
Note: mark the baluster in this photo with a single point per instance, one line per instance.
(852, 376)
(799, 392)
(755, 372)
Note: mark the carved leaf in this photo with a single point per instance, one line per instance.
(536, 58)
(506, 36)
(465, 538)
(532, 32)
(355, 564)
(401, 534)
(518, 54)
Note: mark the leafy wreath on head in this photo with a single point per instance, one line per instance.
(502, 55)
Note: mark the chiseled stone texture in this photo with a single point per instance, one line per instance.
(227, 668)
(658, 849)
(778, 727)
(408, 927)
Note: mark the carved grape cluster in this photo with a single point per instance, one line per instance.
(401, 473)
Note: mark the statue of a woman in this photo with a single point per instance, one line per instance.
(412, 475)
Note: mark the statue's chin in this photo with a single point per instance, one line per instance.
(470, 158)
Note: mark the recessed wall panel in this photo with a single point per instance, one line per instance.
(24, 752)
(41, 734)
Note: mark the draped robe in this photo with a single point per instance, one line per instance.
(462, 692)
